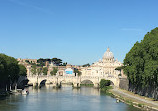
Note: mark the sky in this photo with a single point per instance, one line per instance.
(76, 31)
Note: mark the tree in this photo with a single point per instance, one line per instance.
(9, 70)
(64, 64)
(141, 64)
(41, 62)
(23, 71)
(86, 65)
(54, 71)
(104, 83)
(3, 72)
(39, 71)
(45, 70)
(12, 68)
(57, 61)
(27, 61)
(34, 70)
(76, 71)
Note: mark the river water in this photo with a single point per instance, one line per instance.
(64, 99)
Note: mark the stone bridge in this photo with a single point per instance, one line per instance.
(75, 80)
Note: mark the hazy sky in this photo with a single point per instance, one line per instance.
(77, 31)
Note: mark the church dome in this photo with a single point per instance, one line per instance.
(108, 54)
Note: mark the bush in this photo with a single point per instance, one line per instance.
(104, 83)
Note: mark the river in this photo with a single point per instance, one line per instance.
(64, 99)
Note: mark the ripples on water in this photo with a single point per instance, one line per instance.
(65, 99)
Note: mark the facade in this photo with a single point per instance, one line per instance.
(67, 70)
(104, 67)
(22, 61)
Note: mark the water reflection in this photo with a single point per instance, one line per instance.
(64, 99)
(84, 91)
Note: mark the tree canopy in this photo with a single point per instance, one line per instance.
(54, 71)
(45, 70)
(141, 62)
(56, 61)
(10, 70)
(86, 65)
(104, 83)
(76, 71)
(23, 71)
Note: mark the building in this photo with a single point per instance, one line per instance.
(22, 61)
(105, 67)
(67, 70)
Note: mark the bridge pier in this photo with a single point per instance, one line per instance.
(57, 85)
(36, 85)
(76, 85)
(47, 82)
(96, 85)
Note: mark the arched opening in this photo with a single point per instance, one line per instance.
(42, 83)
(22, 82)
(111, 83)
(63, 82)
(105, 83)
(87, 83)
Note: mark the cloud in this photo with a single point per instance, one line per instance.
(32, 6)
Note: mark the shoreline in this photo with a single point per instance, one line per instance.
(137, 100)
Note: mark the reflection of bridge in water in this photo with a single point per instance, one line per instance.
(75, 80)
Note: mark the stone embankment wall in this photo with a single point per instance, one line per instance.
(124, 83)
(150, 91)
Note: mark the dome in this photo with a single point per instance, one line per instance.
(108, 54)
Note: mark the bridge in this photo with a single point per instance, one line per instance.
(75, 80)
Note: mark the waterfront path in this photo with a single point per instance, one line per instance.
(135, 98)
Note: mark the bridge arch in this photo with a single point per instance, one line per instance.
(42, 82)
(75, 80)
(87, 81)
(66, 82)
(113, 81)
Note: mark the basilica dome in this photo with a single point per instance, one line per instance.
(108, 54)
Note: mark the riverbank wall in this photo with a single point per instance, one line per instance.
(135, 103)
(124, 83)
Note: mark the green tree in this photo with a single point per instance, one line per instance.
(34, 70)
(54, 71)
(141, 64)
(86, 65)
(9, 70)
(45, 70)
(64, 64)
(39, 71)
(76, 71)
(23, 71)
(27, 61)
(41, 62)
(13, 68)
(3, 72)
(104, 83)
(57, 61)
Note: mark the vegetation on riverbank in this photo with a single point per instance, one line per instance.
(87, 85)
(132, 101)
(10, 71)
(105, 85)
(141, 66)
